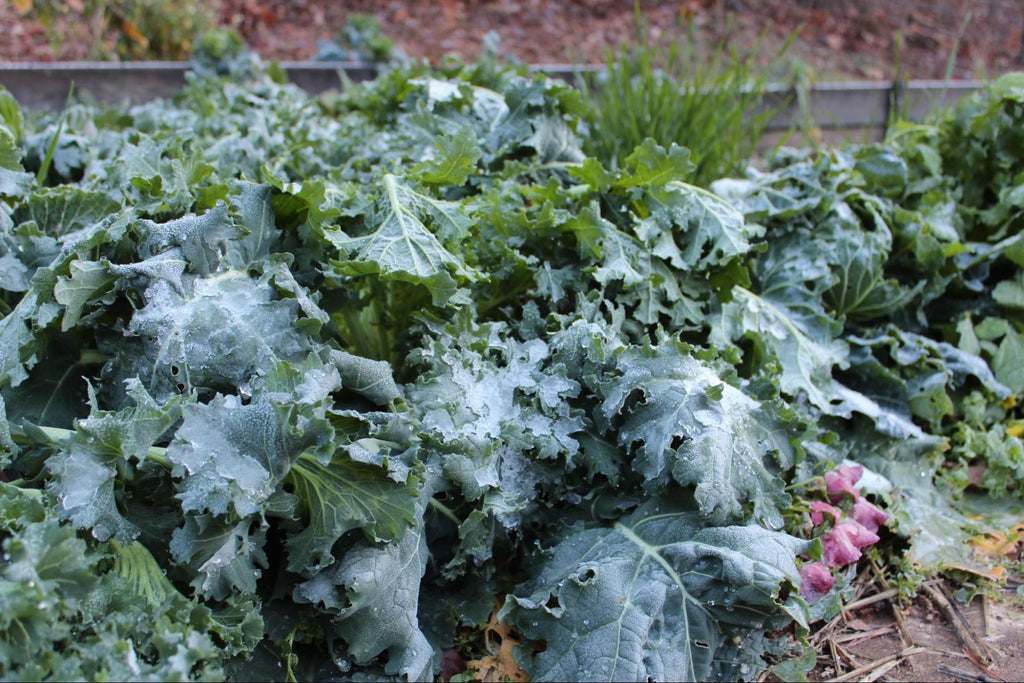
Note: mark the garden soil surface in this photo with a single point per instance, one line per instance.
(835, 39)
(875, 638)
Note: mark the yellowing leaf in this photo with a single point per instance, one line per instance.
(128, 27)
(500, 639)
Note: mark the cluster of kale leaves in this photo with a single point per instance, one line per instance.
(299, 388)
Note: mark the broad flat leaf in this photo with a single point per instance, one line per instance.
(86, 469)
(693, 426)
(448, 220)
(20, 344)
(651, 165)
(46, 556)
(14, 275)
(882, 167)
(374, 593)
(693, 229)
(15, 184)
(469, 398)
(86, 280)
(229, 456)
(1010, 293)
(454, 160)
(341, 496)
(402, 248)
(805, 361)
(225, 557)
(158, 176)
(63, 210)
(8, 449)
(372, 379)
(10, 114)
(201, 239)
(1008, 361)
(644, 599)
(215, 337)
(554, 140)
(254, 206)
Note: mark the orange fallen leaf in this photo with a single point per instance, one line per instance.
(500, 639)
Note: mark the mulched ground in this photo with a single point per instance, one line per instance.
(863, 39)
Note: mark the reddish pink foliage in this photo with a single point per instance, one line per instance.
(820, 509)
(815, 581)
(869, 516)
(842, 544)
(840, 482)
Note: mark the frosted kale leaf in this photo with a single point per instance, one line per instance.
(212, 338)
(373, 593)
(692, 425)
(401, 247)
(102, 446)
(652, 598)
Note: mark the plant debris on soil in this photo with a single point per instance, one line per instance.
(936, 637)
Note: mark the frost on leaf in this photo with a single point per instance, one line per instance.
(652, 598)
(214, 338)
(373, 594)
(689, 424)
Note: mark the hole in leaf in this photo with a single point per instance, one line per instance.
(586, 576)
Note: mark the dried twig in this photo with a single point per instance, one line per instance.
(858, 638)
(992, 674)
(864, 672)
(963, 675)
(871, 599)
(897, 612)
(976, 647)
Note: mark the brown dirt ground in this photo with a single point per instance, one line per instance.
(877, 639)
(835, 38)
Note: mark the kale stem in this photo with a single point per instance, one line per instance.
(445, 511)
(800, 484)
(154, 453)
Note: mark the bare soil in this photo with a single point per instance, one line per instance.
(879, 639)
(835, 39)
